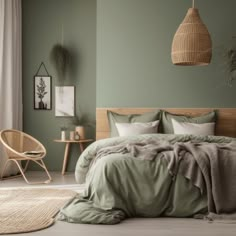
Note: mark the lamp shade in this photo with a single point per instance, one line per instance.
(192, 42)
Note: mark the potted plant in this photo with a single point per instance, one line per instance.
(80, 124)
(61, 59)
(229, 56)
(231, 62)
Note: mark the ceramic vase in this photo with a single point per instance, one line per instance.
(72, 135)
(80, 130)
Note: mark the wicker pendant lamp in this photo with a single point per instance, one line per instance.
(192, 42)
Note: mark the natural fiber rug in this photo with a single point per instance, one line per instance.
(27, 210)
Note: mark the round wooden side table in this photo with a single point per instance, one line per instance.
(81, 143)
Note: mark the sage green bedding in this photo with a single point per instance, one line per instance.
(120, 186)
(90, 153)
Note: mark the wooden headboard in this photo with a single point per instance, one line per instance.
(225, 126)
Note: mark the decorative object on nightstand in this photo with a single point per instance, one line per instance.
(63, 133)
(77, 137)
(72, 135)
(192, 44)
(81, 131)
(81, 143)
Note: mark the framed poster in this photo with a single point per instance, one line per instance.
(65, 101)
(42, 92)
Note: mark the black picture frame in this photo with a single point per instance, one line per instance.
(42, 92)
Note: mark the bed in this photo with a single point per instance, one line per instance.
(156, 175)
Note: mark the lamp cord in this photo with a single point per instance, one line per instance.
(193, 3)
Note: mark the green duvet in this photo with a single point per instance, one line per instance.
(120, 186)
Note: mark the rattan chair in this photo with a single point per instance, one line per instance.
(19, 147)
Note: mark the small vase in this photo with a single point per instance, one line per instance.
(77, 137)
(63, 135)
(72, 135)
(80, 131)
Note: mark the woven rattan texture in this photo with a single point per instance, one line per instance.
(27, 210)
(192, 42)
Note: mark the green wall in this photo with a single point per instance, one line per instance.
(134, 66)
(124, 49)
(42, 24)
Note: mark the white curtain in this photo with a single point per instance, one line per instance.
(10, 70)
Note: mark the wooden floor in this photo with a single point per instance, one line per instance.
(131, 227)
(58, 179)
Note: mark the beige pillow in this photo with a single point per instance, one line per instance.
(127, 129)
(193, 128)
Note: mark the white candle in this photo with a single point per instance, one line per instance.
(63, 135)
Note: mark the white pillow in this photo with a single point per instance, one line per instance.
(127, 129)
(193, 128)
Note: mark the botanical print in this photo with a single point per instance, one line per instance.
(64, 101)
(42, 92)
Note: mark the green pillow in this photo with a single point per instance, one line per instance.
(167, 126)
(120, 118)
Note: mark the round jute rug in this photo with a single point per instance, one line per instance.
(27, 210)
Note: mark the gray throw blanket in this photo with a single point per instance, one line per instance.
(210, 166)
